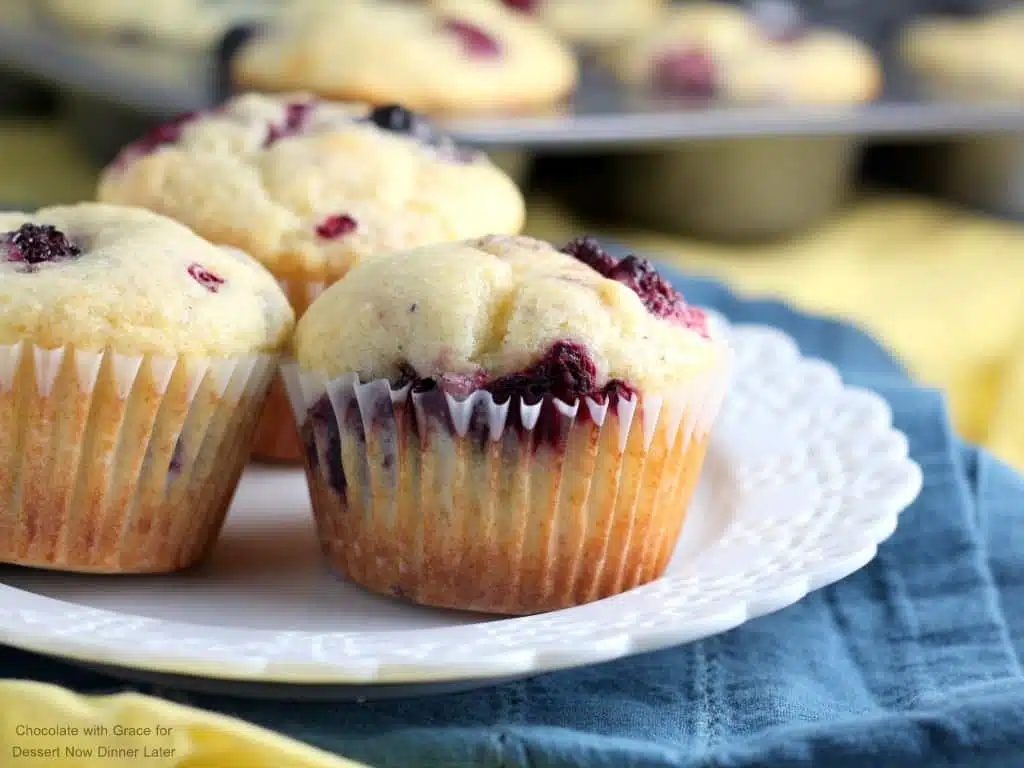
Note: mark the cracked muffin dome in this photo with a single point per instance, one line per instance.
(309, 187)
(445, 56)
(513, 315)
(100, 276)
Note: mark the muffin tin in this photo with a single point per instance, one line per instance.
(718, 172)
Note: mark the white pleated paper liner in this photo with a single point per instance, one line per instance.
(120, 463)
(500, 507)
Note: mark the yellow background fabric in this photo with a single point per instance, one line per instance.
(941, 287)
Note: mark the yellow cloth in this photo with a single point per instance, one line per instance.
(44, 725)
(941, 287)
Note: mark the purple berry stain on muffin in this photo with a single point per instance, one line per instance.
(209, 280)
(177, 462)
(640, 276)
(296, 116)
(32, 244)
(475, 41)
(336, 226)
(161, 136)
(523, 6)
(689, 72)
(321, 421)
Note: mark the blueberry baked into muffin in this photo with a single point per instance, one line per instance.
(497, 425)
(441, 57)
(310, 188)
(134, 359)
(979, 58)
(766, 54)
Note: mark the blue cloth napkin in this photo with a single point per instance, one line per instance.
(912, 661)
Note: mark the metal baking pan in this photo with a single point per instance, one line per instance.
(719, 172)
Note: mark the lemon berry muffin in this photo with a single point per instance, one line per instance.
(310, 188)
(134, 358)
(496, 425)
(713, 52)
(443, 57)
(975, 58)
(593, 23)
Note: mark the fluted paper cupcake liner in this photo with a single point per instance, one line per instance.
(113, 463)
(504, 508)
(277, 435)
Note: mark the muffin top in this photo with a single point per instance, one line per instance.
(97, 276)
(768, 54)
(593, 22)
(509, 314)
(981, 54)
(311, 187)
(445, 56)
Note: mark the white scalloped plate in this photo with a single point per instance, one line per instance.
(804, 478)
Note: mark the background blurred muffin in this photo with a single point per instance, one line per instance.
(310, 188)
(134, 359)
(494, 425)
(765, 54)
(976, 58)
(450, 56)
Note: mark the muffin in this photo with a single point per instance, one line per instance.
(968, 58)
(134, 358)
(446, 57)
(590, 24)
(309, 188)
(496, 425)
(712, 52)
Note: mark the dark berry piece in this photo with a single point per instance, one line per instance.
(336, 226)
(657, 294)
(590, 252)
(406, 375)
(779, 20)
(523, 6)
(475, 41)
(395, 118)
(177, 462)
(567, 372)
(688, 72)
(296, 115)
(322, 422)
(616, 390)
(37, 244)
(210, 281)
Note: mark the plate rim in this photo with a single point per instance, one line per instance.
(27, 627)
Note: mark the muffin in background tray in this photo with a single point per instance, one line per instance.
(496, 425)
(980, 58)
(134, 359)
(445, 57)
(593, 24)
(712, 52)
(310, 188)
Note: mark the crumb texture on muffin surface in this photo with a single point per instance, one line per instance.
(97, 276)
(448, 56)
(309, 187)
(479, 313)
